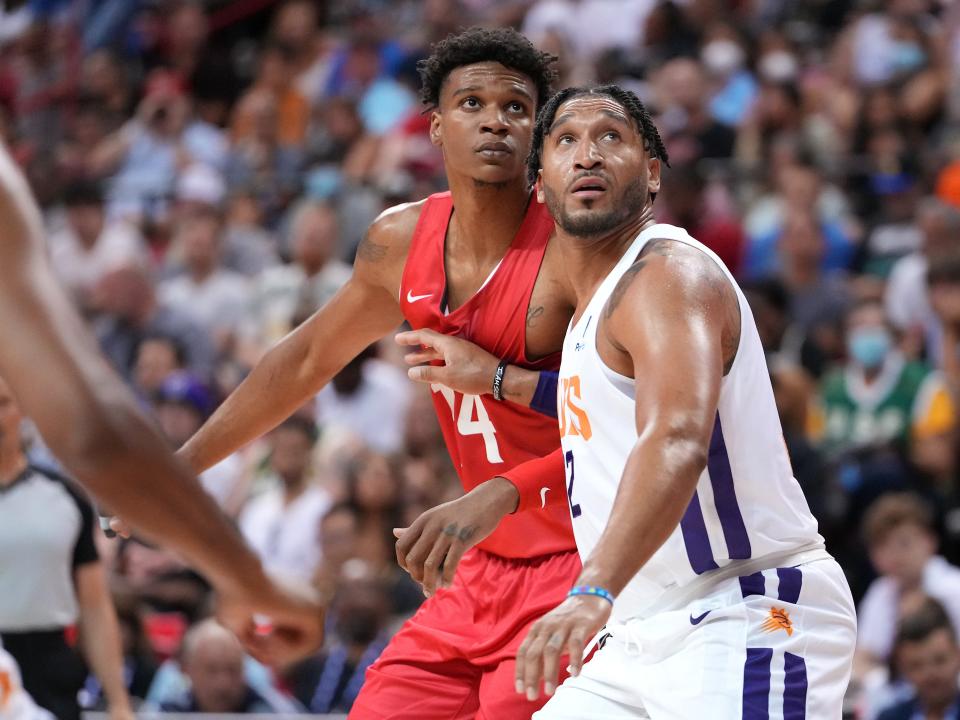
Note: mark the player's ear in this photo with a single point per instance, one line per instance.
(436, 136)
(538, 187)
(653, 175)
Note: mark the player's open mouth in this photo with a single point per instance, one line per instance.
(588, 188)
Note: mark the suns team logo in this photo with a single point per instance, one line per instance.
(779, 620)
(573, 418)
(6, 688)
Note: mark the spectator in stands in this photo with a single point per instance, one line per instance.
(879, 399)
(145, 155)
(182, 403)
(258, 161)
(139, 659)
(288, 294)
(338, 533)
(331, 681)
(89, 246)
(689, 130)
(928, 657)
(158, 357)
(685, 205)
(213, 660)
(210, 295)
(131, 312)
(943, 279)
(247, 248)
(907, 297)
(51, 579)
(899, 535)
(368, 399)
(281, 523)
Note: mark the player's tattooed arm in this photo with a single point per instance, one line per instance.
(675, 329)
(533, 314)
(371, 251)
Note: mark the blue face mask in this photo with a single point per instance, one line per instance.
(907, 57)
(869, 346)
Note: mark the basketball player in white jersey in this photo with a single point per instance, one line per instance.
(699, 552)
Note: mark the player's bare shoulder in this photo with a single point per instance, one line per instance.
(382, 253)
(679, 282)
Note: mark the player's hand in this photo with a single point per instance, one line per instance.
(278, 622)
(466, 368)
(431, 548)
(564, 631)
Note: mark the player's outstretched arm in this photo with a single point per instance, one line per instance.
(93, 425)
(364, 310)
(673, 321)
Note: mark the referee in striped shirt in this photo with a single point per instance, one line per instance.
(52, 581)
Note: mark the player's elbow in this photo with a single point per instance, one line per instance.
(683, 446)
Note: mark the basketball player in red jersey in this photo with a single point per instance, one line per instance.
(93, 425)
(475, 262)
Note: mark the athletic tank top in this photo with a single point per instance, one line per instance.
(485, 437)
(747, 504)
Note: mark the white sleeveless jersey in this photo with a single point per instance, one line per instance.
(748, 511)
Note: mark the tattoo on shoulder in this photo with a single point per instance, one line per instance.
(662, 246)
(618, 292)
(370, 251)
(532, 314)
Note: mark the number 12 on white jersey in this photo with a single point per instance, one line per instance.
(466, 424)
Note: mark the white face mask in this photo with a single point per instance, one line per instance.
(722, 57)
(778, 66)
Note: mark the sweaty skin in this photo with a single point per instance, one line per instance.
(673, 320)
(483, 127)
(92, 424)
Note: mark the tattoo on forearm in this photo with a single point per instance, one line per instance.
(370, 251)
(532, 314)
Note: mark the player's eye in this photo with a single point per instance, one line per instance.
(565, 140)
(515, 107)
(470, 103)
(611, 135)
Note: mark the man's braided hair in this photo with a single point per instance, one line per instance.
(626, 99)
(476, 45)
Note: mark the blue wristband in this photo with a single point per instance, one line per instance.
(545, 396)
(591, 590)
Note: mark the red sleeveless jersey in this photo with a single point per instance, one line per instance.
(486, 437)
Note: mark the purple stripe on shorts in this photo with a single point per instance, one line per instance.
(756, 684)
(695, 538)
(794, 687)
(725, 496)
(752, 585)
(791, 579)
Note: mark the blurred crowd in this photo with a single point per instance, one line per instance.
(207, 169)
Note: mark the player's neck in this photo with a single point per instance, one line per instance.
(12, 463)
(486, 216)
(591, 259)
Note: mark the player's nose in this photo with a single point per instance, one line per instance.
(587, 156)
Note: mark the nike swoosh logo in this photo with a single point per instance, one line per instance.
(698, 619)
(411, 298)
(543, 497)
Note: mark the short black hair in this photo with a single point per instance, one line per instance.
(303, 425)
(626, 99)
(82, 192)
(946, 270)
(923, 622)
(476, 45)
